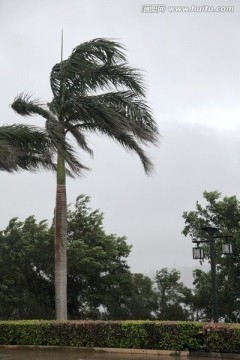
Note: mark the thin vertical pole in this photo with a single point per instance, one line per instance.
(62, 46)
(214, 279)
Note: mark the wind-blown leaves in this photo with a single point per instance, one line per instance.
(84, 101)
(93, 65)
(25, 148)
(120, 111)
(84, 98)
(24, 105)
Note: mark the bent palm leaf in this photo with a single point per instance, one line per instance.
(25, 106)
(25, 148)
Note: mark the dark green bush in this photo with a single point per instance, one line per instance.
(222, 338)
(174, 336)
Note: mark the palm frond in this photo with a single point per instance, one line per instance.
(85, 110)
(130, 144)
(57, 137)
(126, 140)
(78, 136)
(25, 147)
(96, 65)
(96, 78)
(101, 49)
(26, 106)
(118, 111)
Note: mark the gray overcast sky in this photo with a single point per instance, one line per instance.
(191, 66)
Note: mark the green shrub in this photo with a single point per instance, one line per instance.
(175, 336)
(222, 338)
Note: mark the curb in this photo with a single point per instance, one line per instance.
(124, 351)
(142, 351)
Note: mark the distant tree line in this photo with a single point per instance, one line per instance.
(100, 283)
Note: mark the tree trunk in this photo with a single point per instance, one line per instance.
(61, 243)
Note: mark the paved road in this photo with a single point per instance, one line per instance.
(73, 355)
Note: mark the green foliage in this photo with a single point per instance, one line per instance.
(100, 285)
(179, 336)
(202, 304)
(125, 334)
(95, 90)
(175, 336)
(142, 302)
(171, 294)
(222, 338)
(97, 267)
(224, 214)
(26, 262)
(128, 334)
(25, 147)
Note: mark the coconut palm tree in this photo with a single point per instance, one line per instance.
(94, 90)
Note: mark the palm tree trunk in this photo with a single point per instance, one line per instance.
(61, 243)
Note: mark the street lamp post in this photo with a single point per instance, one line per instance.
(211, 231)
(198, 253)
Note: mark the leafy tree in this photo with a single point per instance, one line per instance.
(97, 262)
(198, 300)
(100, 285)
(143, 300)
(224, 214)
(130, 297)
(94, 90)
(26, 251)
(171, 295)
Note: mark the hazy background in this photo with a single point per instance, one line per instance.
(191, 64)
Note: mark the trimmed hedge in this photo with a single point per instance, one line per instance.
(156, 335)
